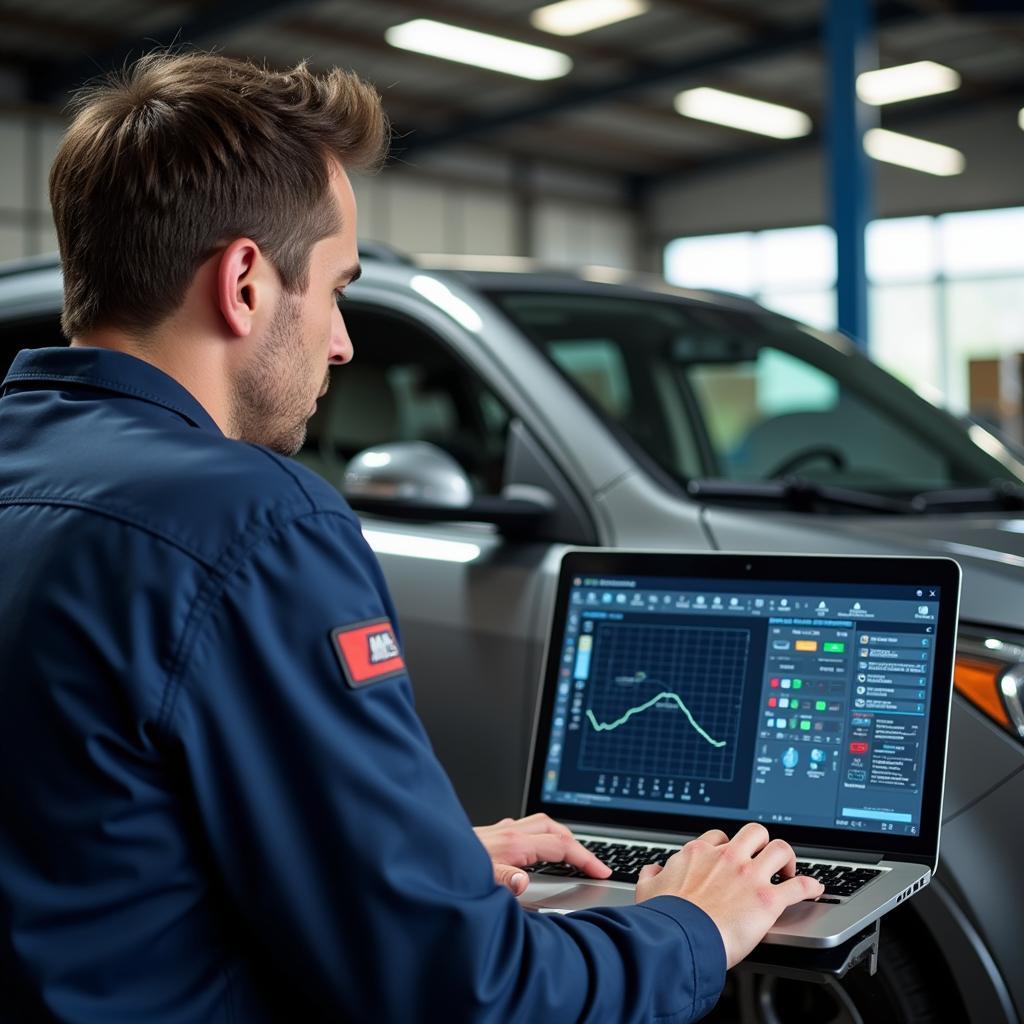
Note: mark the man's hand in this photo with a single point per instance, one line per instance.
(513, 844)
(730, 880)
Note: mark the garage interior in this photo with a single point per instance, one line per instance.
(855, 166)
(596, 168)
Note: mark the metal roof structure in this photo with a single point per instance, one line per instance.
(613, 112)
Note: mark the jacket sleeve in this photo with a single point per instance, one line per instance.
(340, 840)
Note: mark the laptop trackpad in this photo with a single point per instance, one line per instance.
(561, 897)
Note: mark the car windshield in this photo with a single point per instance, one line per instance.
(747, 396)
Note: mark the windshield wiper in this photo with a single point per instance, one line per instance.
(795, 493)
(1000, 496)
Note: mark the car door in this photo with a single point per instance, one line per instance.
(472, 602)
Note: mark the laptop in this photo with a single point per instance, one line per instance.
(686, 692)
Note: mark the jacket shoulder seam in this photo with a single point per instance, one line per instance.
(112, 385)
(287, 470)
(216, 581)
(106, 512)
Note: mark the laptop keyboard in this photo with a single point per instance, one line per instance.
(838, 879)
(626, 860)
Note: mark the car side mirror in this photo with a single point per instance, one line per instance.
(419, 482)
(407, 472)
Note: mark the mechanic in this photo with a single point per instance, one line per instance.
(216, 800)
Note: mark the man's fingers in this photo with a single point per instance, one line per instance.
(546, 846)
(796, 890)
(750, 839)
(649, 871)
(580, 857)
(716, 837)
(514, 879)
(539, 823)
(777, 856)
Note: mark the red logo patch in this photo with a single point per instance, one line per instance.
(368, 652)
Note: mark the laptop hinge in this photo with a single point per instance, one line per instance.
(823, 853)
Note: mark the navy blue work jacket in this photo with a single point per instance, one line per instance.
(217, 802)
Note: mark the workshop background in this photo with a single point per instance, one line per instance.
(855, 165)
(611, 155)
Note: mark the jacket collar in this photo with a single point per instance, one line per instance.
(104, 370)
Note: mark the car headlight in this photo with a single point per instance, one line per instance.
(989, 672)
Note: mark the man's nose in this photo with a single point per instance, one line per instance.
(341, 350)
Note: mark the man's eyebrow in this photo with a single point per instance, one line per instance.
(350, 275)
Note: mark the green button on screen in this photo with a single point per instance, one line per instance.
(835, 648)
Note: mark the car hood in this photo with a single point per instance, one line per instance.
(989, 548)
(993, 538)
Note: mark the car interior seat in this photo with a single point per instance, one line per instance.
(358, 411)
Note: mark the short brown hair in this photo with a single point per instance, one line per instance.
(182, 152)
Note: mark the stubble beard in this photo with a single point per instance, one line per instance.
(270, 397)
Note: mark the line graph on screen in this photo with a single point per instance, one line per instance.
(664, 700)
(669, 695)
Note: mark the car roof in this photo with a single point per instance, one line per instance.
(32, 286)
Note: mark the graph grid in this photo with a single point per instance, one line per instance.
(664, 700)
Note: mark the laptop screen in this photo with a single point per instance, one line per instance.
(787, 701)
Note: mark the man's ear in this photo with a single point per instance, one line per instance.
(240, 285)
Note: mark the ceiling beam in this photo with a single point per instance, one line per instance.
(375, 43)
(592, 148)
(906, 117)
(584, 148)
(480, 19)
(745, 18)
(415, 103)
(573, 97)
(66, 32)
(207, 20)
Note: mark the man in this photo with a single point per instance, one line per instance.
(214, 804)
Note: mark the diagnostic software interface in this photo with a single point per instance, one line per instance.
(800, 703)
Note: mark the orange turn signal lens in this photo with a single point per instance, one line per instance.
(978, 680)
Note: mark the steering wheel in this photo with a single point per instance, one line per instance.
(820, 451)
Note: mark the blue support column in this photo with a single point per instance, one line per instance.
(850, 49)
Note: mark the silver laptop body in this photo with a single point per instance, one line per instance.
(689, 692)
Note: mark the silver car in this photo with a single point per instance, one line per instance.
(492, 418)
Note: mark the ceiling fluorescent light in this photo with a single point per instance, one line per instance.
(917, 154)
(573, 17)
(906, 82)
(436, 39)
(742, 112)
(1020, 119)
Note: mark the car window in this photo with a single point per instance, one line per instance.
(596, 364)
(406, 384)
(747, 396)
(775, 414)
